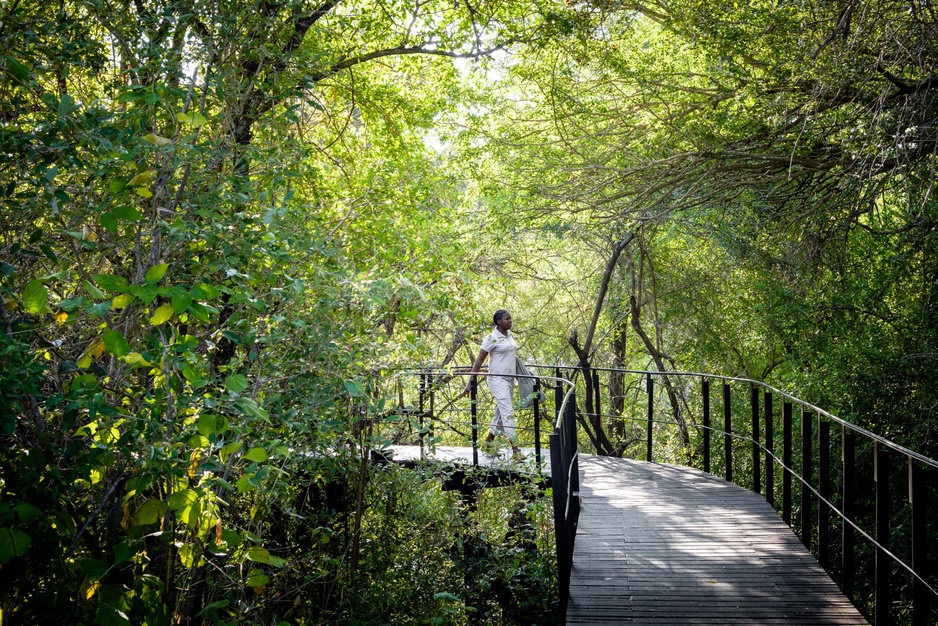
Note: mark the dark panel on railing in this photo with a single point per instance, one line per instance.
(807, 469)
(849, 506)
(537, 423)
(756, 449)
(824, 490)
(705, 390)
(881, 470)
(727, 432)
(474, 414)
(787, 435)
(650, 386)
(769, 450)
(921, 598)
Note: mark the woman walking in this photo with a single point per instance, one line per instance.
(501, 347)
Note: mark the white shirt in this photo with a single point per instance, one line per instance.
(502, 350)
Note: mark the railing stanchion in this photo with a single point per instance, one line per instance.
(596, 398)
(881, 471)
(473, 412)
(650, 386)
(756, 450)
(430, 415)
(786, 461)
(769, 451)
(824, 490)
(728, 432)
(705, 390)
(422, 390)
(558, 395)
(559, 489)
(849, 533)
(807, 471)
(920, 596)
(565, 483)
(537, 423)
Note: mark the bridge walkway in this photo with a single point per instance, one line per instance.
(662, 544)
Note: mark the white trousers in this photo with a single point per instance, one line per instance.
(502, 421)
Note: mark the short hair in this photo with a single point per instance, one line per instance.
(499, 314)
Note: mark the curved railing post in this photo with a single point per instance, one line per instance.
(807, 469)
(650, 386)
(920, 595)
(728, 432)
(849, 494)
(756, 448)
(705, 392)
(537, 423)
(769, 450)
(473, 412)
(565, 483)
(824, 491)
(787, 434)
(881, 469)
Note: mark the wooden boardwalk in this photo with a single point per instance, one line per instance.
(463, 456)
(669, 545)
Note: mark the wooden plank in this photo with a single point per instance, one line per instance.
(668, 545)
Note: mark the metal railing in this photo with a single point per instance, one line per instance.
(564, 466)
(832, 511)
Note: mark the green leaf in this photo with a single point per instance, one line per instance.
(156, 273)
(109, 282)
(157, 140)
(354, 388)
(109, 222)
(49, 252)
(189, 554)
(71, 304)
(126, 549)
(115, 343)
(228, 449)
(258, 555)
(194, 119)
(181, 302)
(146, 293)
(161, 315)
(209, 424)
(121, 301)
(258, 455)
(246, 483)
(236, 383)
(126, 213)
(135, 358)
(92, 290)
(16, 69)
(211, 608)
(98, 310)
(13, 543)
(192, 373)
(142, 178)
(231, 336)
(257, 578)
(35, 297)
(149, 512)
(28, 513)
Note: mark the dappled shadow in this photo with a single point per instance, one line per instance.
(667, 544)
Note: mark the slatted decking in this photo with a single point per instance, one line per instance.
(669, 545)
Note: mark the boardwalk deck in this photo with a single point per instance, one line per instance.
(463, 456)
(668, 545)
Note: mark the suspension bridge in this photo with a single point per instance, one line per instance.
(805, 534)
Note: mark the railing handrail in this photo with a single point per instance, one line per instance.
(859, 429)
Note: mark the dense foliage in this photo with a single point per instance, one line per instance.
(226, 229)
